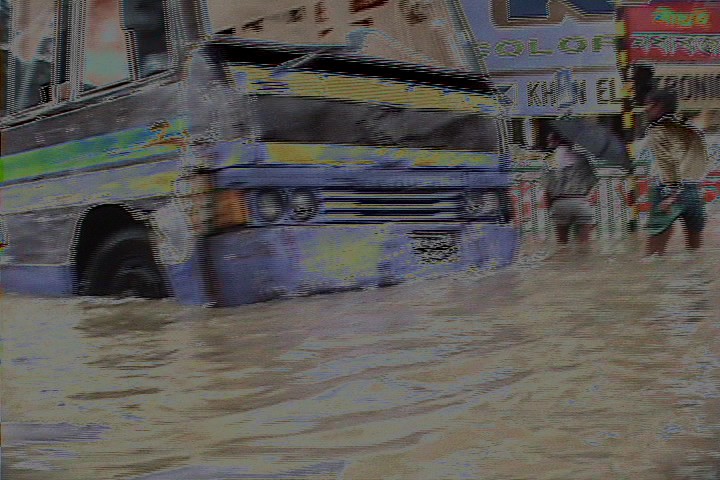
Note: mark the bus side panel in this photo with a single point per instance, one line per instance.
(122, 151)
(41, 216)
(54, 280)
(189, 282)
(250, 266)
(40, 237)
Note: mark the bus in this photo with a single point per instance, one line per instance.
(147, 154)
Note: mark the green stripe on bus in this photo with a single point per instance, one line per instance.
(111, 147)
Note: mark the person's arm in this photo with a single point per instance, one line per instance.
(592, 195)
(707, 165)
(664, 162)
(665, 205)
(545, 179)
(545, 184)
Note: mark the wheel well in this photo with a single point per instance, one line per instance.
(96, 225)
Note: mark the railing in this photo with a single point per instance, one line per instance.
(610, 195)
(612, 208)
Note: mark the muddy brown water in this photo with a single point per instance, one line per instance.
(562, 367)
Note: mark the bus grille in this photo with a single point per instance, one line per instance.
(390, 205)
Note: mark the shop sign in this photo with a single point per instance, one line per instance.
(595, 93)
(513, 35)
(674, 33)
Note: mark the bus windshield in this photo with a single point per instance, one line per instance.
(351, 100)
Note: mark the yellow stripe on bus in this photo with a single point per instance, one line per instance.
(54, 193)
(316, 154)
(344, 155)
(362, 89)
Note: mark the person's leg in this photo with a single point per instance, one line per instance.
(584, 231)
(693, 216)
(657, 244)
(585, 221)
(583, 235)
(559, 216)
(563, 234)
(660, 225)
(693, 235)
(694, 239)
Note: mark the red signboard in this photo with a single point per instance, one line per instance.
(674, 33)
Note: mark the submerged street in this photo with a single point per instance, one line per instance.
(560, 367)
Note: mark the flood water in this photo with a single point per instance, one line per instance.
(562, 367)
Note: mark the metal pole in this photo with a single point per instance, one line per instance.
(628, 120)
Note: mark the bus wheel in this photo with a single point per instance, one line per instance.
(123, 266)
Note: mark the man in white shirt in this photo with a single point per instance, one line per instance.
(679, 165)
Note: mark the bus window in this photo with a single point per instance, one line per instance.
(106, 55)
(4, 23)
(62, 57)
(33, 52)
(3, 82)
(144, 20)
(540, 129)
(4, 41)
(318, 121)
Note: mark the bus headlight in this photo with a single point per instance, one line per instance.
(303, 205)
(481, 203)
(269, 205)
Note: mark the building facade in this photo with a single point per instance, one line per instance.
(406, 30)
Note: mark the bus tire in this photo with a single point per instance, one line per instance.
(123, 266)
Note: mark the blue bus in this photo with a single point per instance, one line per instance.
(146, 155)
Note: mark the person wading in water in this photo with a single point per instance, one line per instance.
(679, 165)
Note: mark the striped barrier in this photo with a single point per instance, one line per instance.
(610, 198)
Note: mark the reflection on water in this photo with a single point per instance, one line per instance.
(562, 367)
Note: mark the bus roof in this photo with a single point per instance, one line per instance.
(274, 54)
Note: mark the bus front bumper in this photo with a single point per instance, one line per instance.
(258, 264)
